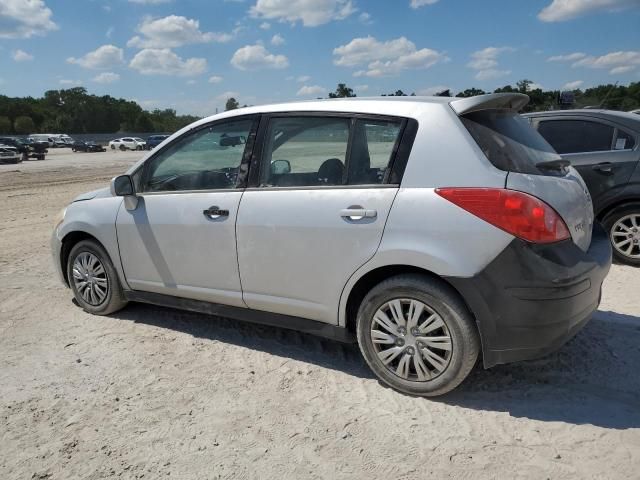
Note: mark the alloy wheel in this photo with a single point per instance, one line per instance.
(411, 339)
(625, 236)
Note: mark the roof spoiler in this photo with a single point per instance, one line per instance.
(493, 101)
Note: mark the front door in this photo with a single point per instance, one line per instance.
(317, 212)
(180, 239)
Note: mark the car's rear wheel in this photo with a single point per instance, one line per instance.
(123, 148)
(623, 226)
(417, 335)
(113, 147)
(93, 279)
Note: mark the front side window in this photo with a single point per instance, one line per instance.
(305, 151)
(577, 136)
(207, 159)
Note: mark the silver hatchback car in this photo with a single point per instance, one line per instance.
(430, 230)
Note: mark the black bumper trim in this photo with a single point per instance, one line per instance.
(531, 299)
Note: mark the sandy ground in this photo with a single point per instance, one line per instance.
(154, 393)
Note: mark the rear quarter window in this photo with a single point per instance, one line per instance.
(508, 141)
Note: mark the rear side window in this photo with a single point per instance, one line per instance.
(508, 141)
(577, 136)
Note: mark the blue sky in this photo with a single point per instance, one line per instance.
(192, 54)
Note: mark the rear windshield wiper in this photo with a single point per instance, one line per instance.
(559, 164)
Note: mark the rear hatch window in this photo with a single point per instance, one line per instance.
(509, 142)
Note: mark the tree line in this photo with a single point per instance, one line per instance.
(74, 110)
(614, 97)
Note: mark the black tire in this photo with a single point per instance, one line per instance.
(445, 302)
(40, 157)
(123, 148)
(114, 299)
(113, 147)
(610, 220)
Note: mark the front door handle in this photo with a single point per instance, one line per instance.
(215, 212)
(605, 167)
(358, 213)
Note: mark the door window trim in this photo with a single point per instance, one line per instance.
(243, 169)
(395, 168)
(588, 118)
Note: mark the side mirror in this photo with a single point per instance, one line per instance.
(122, 186)
(279, 167)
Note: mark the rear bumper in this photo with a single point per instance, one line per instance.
(533, 298)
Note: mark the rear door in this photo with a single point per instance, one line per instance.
(602, 152)
(509, 142)
(316, 211)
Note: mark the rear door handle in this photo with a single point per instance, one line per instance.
(358, 213)
(215, 212)
(605, 167)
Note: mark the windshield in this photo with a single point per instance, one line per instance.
(508, 141)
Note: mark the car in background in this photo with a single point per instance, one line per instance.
(127, 143)
(636, 111)
(44, 137)
(88, 146)
(9, 154)
(154, 140)
(604, 146)
(27, 147)
(426, 229)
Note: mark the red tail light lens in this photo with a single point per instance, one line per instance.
(517, 213)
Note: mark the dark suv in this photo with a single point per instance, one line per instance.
(604, 146)
(26, 147)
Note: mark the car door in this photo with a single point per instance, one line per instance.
(315, 210)
(602, 152)
(180, 239)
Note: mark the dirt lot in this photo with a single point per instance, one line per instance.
(158, 393)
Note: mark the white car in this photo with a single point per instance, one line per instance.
(127, 143)
(9, 154)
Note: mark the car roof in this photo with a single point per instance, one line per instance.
(629, 120)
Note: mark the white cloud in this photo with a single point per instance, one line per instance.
(265, 25)
(365, 18)
(430, 91)
(150, 2)
(22, 56)
(106, 56)
(255, 57)
(311, 90)
(572, 85)
(25, 18)
(310, 12)
(615, 62)
(173, 31)
(385, 58)
(109, 32)
(303, 78)
(485, 61)
(421, 3)
(69, 83)
(277, 39)
(567, 58)
(162, 61)
(561, 10)
(106, 77)
(215, 79)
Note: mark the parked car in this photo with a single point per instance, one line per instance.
(90, 146)
(43, 137)
(154, 140)
(604, 146)
(429, 229)
(9, 154)
(637, 111)
(26, 147)
(127, 143)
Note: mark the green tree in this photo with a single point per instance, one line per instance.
(342, 91)
(144, 123)
(471, 92)
(444, 93)
(231, 104)
(23, 125)
(5, 125)
(523, 85)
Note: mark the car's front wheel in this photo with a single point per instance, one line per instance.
(93, 279)
(623, 226)
(417, 335)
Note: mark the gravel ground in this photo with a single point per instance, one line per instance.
(154, 393)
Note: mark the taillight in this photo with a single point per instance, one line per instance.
(517, 213)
